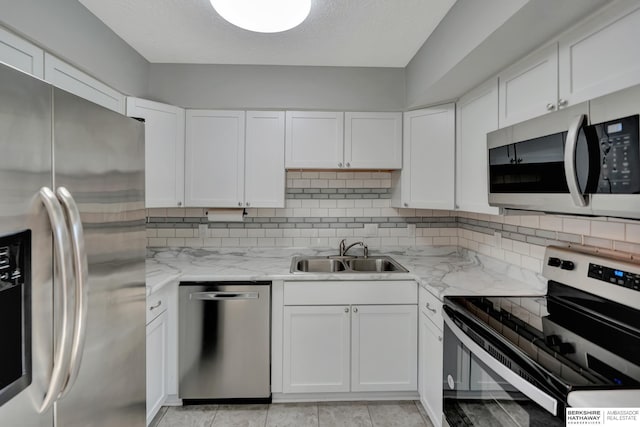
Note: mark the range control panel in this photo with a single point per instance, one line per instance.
(615, 276)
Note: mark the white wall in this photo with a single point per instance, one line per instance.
(286, 87)
(68, 30)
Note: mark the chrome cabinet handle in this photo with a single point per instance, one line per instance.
(346, 309)
(239, 203)
(62, 247)
(179, 203)
(551, 107)
(348, 164)
(339, 164)
(406, 205)
(439, 338)
(562, 102)
(433, 310)
(74, 223)
(570, 160)
(221, 296)
(247, 204)
(153, 307)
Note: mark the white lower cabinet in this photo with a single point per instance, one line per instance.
(431, 352)
(384, 348)
(316, 355)
(157, 344)
(356, 336)
(350, 348)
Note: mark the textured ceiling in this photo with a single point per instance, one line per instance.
(356, 33)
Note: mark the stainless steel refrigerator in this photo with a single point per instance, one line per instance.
(72, 182)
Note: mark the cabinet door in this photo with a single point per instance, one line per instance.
(600, 56)
(427, 177)
(66, 77)
(316, 349)
(157, 335)
(431, 369)
(314, 139)
(21, 54)
(164, 151)
(264, 160)
(373, 140)
(384, 348)
(214, 158)
(529, 88)
(476, 115)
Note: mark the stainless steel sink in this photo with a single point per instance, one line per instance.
(346, 264)
(318, 265)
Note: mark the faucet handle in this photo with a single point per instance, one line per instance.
(365, 249)
(341, 247)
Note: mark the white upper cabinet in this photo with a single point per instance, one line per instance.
(334, 140)
(164, 151)
(69, 78)
(530, 87)
(373, 140)
(476, 115)
(314, 139)
(427, 177)
(600, 55)
(264, 181)
(214, 158)
(226, 167)
(21, 54)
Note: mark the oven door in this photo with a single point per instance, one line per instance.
(481, 386)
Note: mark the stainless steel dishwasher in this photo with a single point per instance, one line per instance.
(224, 341)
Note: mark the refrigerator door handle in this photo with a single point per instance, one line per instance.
(74, 223)
(62, 298)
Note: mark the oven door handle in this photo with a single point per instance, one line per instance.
(541, 398)
(570, 170)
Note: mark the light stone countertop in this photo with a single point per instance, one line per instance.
(440, 270)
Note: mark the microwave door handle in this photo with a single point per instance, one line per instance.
(570, 160)
(62, 290)
(74, 223)
(528, 389)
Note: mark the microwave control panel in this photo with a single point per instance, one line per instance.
(619, 156)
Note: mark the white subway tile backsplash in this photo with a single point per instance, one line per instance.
(632, 233)
(576, 226)
(608, 230)
(324, 207)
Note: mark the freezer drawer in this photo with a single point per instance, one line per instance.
(224, 340)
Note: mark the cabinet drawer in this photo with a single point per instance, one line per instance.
(431, 307)
(351, 292)
(156, 304)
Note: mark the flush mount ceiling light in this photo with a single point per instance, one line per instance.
(263, 16)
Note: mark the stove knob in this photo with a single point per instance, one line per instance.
(567, 265)
(553, 340)
(554, 262)
(566, 348)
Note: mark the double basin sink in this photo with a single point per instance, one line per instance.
(345, 264)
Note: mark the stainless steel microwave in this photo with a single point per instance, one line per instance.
(583, 160)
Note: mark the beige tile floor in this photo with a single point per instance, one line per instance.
(329, 414)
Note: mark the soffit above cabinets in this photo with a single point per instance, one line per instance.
(354, 33)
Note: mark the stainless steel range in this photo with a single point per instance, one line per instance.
(521, 361)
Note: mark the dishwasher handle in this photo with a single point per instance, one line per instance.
(223, 296)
